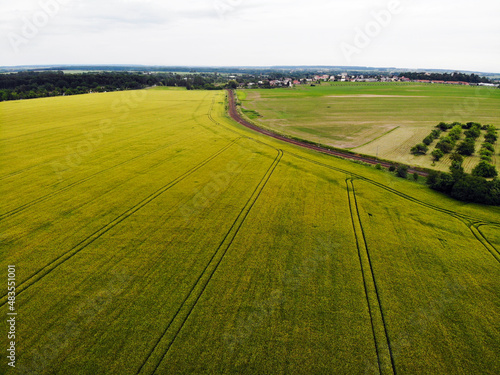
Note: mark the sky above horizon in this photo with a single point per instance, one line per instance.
(424, 34)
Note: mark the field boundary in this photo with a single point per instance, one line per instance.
(194, 295)
(374, 139)
(379, 327)
(44, 271)
(346, 154)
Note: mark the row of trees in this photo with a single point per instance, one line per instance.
(465, 187)
(474, 187)
(422, 148)
(453, 77)
(467, 147)
(28, 85)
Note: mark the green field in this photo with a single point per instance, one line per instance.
(380, 119)
(152, 234)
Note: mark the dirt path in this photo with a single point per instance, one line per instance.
(236, 116)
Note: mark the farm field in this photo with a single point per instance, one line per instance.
(377, 119)
(151, 234)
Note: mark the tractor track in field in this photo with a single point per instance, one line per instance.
(233, 113)
(394, 191)
(43, 198)
(41, 273)
(12, 174)
(363, 276)
(474, 228)
(20, 171)
(85, 179)
(202, 282)
(382, 341)
(469, 221)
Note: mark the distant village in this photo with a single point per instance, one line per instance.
(345, 77)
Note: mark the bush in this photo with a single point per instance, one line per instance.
(490, 138)
(485, 169)
(378, 166)
(471, 189)
(440, 181)
(445, 145)
(428, 140)
(420, 149)
(392, 168)
(457, 158)
(488, 146)
(415, 176)
(474, 132)
(402, 171)
(467, 147)
(456, 132)
(465, 187)
(435, 133)
(437, 154)
(444, 126)
(486, 152)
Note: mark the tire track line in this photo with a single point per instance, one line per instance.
(474, 228)
(364, 278)
(394, 191)
(134, 138)
(387, 342)
(190, 301)
(76, 183)
(379, 328)
(41, 273)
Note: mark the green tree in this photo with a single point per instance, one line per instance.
(435, 133)
(474, 132)
(485, 169)
(445, 145)
(467, 147)
(456, 132)
(437, 154)
(457, 158)
(420, 149)
(488, 146)
(232, 84)
(428, 140)
(490, 138)
(402, 171)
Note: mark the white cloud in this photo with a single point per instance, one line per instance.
(446, 34)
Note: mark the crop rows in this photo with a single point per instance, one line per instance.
(237, 253)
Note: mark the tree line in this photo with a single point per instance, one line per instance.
(453, 77)
(28, 85)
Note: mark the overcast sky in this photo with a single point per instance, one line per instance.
(448, 34)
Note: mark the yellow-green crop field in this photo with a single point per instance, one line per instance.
(377, 119)
(151, 234)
